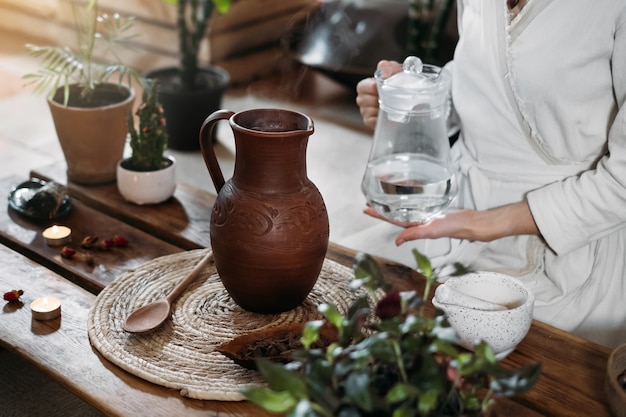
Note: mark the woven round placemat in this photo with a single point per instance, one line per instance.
(181, 353)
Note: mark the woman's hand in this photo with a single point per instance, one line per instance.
(481, 225)
(367, 100)
(367, 95)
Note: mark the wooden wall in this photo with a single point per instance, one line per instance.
(245, 41)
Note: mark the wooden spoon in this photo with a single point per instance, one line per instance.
(150, 316)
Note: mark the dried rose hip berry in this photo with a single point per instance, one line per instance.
(119, 240)
(106, 244)
(13, 296)
(88, 242)
(88, 259)
(67, 252)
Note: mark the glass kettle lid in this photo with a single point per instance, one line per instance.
(418, 87)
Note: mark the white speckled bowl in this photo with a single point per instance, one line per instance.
(503, 330)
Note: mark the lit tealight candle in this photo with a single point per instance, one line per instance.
(46, 308)
(57, 235)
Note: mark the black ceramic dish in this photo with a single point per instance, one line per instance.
(21, 194)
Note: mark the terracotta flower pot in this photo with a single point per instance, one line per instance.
(92, 138)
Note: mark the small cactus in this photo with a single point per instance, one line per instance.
(149, 142)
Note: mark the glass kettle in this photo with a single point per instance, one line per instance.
(409, 175)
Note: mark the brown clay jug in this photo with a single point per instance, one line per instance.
(269, 225)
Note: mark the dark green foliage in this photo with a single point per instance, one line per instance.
(396, 362)
(150, 141)
(193, 23)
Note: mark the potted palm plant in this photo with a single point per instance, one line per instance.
(88, 100)
(190, 92)
(147, 176)
(388, 360)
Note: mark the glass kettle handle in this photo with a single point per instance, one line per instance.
(206, 146)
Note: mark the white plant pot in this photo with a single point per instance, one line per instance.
(147, 187)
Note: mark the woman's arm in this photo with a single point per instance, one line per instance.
(577, 210)
(481, 225)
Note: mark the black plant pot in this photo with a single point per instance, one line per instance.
(185, 110)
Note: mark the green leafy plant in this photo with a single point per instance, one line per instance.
(193, 18)
(149, 142)
(63, 67)
(389, 360)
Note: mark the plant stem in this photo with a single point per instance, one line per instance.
(193, 16)
(400, 362)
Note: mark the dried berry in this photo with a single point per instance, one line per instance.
(89, 242)
(106, 244)
(13, 296)
(87, 258)
(67, 252)
(119, 240)
(71, 253)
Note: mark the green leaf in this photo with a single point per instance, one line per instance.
(410, 300)
(310, 333)
(358, 304)
(470, 401)
(304, 409)
(518, 381)
(333, 351)
(423, 264)
(404, 412)
(483, 350)
(444, 347)
(222, 5)
(442, 330)
(332, 315)
(349, 411)
(353, 328)
(357, 390)
(367, 270)
(272, 401)
(427, 402)
(281, 379)
(383, 349)
(401, 392)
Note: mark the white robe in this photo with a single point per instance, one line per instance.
(541, 104)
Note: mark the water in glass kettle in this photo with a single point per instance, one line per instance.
(408, 187)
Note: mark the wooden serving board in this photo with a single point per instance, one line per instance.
(183, 220)
(24, 235)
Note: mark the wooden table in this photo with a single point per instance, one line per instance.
(571, 382)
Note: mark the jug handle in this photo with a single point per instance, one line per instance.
(206, 146)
